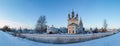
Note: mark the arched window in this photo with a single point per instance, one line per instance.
(73, 31)
(73, 27)
(69, 31)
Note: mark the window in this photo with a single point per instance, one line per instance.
(69, 31)
(73, 31)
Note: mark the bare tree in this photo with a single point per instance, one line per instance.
(41, 24)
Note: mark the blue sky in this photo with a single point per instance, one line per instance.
(25, 13)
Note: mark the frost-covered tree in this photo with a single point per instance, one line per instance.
(20, 30)
(13, 30)
(41, 26)
(105, 26)
(63, 29)
(95, 30)
(6, 28)
(52, 30)
(90, 30)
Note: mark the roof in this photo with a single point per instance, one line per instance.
(73, 24)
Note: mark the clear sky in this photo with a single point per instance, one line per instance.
(25, 13)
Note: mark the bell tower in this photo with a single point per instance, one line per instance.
(72, 18)
(72, 23)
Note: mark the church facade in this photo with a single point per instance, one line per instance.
(75, 26)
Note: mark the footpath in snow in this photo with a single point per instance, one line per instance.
(9, 40)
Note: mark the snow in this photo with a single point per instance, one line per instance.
(9, 40)
(64, 38)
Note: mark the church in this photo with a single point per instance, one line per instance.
(75, 26)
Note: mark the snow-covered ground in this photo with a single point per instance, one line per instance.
(64, 38)
(9, 40)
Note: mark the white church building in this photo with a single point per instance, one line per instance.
(75, 26)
